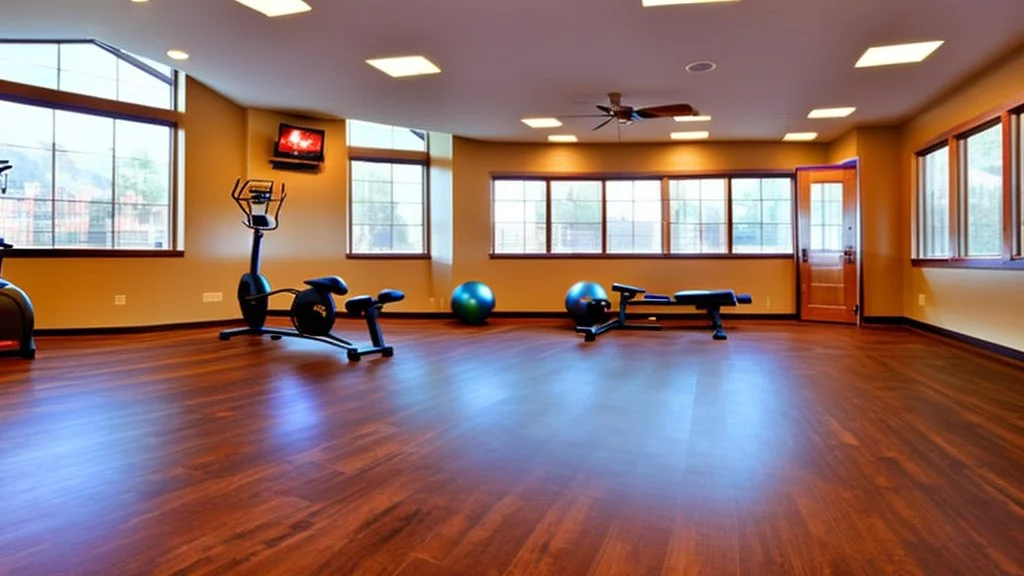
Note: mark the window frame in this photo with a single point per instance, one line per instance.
(390, 156)
(1009, 117)
(666, 238)
(172, 118)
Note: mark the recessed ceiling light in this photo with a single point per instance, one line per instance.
(177, 54)
(898, 54)
(692, 118)
(800, 136)
(831, 112)
(701, 66)
(690, 135)
(542, 122)
(562, 138)
(275, 8)
(139, 1)
(649, 3)
(402, 66)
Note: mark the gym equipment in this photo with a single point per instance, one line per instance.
(17, 317)
(472, 302)
(584, 301)
(313, 309)
(711, 301)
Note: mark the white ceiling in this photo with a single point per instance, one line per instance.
(506, 59)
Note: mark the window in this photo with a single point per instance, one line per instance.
(84, 181)
(520, 217)
(576, 216)
(983, 184)
(934, 169)
(634, 216)
(89, 68)
(388, 201)
(697, 216)
(762, 215)
(644, 216)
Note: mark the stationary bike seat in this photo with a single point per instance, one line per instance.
(359, 304)
(388, 296)
(329, 284)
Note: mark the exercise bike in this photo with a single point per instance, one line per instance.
(17, 317)
(313, 310)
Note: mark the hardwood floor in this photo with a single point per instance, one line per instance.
(514, 449)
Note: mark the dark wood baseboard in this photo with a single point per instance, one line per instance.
(978, 343)
(116, 330)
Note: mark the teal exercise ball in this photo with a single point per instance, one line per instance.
(472, 302)
(576, 300)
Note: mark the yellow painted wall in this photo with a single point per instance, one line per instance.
(843, 148)
(313, 235)
(540, 284)
(882, 223)
(986, 304)
(79, 292)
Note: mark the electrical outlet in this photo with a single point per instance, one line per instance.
(213, 296)
(120, 300)
(921, 299)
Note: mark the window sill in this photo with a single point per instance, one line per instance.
(387, 256)
(588, 256)
(975, 263)
(90, 253)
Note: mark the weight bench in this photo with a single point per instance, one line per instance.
(711, 301)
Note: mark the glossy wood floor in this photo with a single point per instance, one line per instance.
(514, 449)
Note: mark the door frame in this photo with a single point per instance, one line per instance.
(854, 163)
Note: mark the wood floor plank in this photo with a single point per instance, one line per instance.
(512, 449)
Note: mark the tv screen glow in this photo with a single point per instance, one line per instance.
(300, 143)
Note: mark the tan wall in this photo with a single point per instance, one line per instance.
(313, 235)
(882, 223)
(540, 284)
(986, 304)
(843, 148)
(79, 292)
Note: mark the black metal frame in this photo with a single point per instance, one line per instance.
(628, 297)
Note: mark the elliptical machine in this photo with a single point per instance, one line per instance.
(17, 317)
(313, 309)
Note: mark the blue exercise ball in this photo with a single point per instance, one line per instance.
(472, 302)
(576, 303)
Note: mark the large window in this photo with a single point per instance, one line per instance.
(84, 181)
(88, 175)
(934, 168)
(647, 216)
(388, 199)
(89, 68)
(983, 183)
(969, 196)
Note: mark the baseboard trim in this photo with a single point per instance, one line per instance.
(984, 345)
(120, 330)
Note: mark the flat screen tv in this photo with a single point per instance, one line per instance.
(298, 143)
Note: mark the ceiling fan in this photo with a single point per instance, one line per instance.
(626, 115)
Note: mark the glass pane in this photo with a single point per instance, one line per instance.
(408, 173)
(27, 222)
(777, 239)
(578, 238)
(985, 192)
(143, 181)
(408, 214)
(745, 211)
(777, 189)
(935, 199)
(375, 213)
(373, 171)
(140, 87)
(746, 189)
(32, 64)
(509, 238)
(88, 69)
(407, 239)
(371, 238)
(84, 177)
(142, 227)
(373, 135)
(83, 225)
(509, 190)
(32, 175)
(27, 126)
(76, 132)
(409, 193)
(509, 211)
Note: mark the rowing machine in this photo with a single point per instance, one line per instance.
(712, 301)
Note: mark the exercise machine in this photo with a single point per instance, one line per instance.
(17, 317)
(313, 310)
(711, 301)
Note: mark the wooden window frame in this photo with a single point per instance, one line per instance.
(666, 239)
(172, 118)
(382, 155)
(1008, 115)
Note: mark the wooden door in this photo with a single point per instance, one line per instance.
(827, 241)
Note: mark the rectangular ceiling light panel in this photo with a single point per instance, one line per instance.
(403, 66)
(649, 3)
(898, 54)
(275, 8)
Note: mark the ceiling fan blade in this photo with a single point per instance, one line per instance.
(601, 125)
(604, 109)
(583, 115)
(666, 110)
